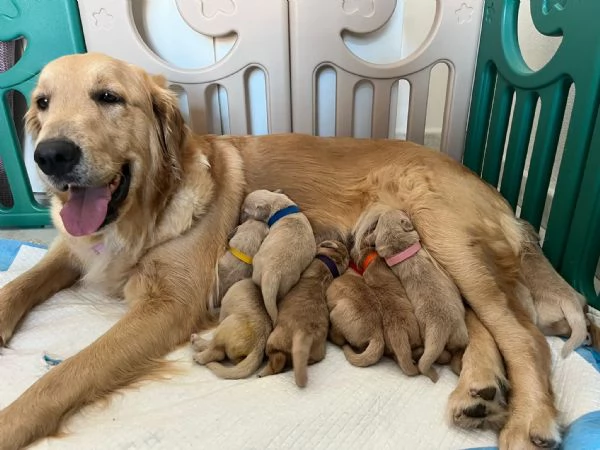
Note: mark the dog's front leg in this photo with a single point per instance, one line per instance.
(168, 294)
(56, 271)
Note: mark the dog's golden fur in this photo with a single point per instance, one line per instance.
(185, 194)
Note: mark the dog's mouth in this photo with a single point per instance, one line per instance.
(89, 208)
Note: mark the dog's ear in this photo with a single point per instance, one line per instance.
(278, 191)
(170, 125)
(407, 225)
(32, 123)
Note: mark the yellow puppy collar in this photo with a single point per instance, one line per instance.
(240, 255)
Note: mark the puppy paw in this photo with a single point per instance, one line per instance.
(479, 406)
(201, 358)
(198, 343)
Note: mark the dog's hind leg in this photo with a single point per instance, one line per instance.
(400, 346)
(485, 265)
(269, 285)
(56, 271)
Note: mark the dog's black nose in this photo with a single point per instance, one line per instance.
(57, 157)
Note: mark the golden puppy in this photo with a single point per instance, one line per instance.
(303, 322)
(241, 335)
(355, 319)
(236, 263)
(400, 327)
(286, 251)
(437, 303)
(106, 128)
(556, 308)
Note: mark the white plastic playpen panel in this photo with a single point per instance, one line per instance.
(314, 40)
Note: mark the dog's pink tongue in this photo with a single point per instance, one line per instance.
(85, 210)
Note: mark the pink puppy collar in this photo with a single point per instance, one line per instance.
(403, 255)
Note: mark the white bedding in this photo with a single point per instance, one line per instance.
(342, 406)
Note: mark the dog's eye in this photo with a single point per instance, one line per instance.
(42, 103)
(108, 97)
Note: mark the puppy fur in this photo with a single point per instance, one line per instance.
(355, 319)
(241, 336)
(286, 251)
(400, 327)
(303, 322)
(247, 238)
(435, 298)
(555, 307)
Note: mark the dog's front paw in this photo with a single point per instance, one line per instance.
(518, 435)
(479, 405)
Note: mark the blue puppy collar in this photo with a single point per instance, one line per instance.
(292, 209)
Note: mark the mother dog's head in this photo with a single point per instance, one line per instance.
(108, 140)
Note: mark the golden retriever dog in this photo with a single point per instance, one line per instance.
(400, 327)
(288, 248)
(555, 307)
(355, 319)
(241, 337)
(105, 130)
(236, 263)
(434, 296)
(300, 334)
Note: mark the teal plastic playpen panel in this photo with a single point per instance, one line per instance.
(51, 29)
(571, 236)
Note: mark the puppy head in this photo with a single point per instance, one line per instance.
(108, 136)
(249, 235)
(394, 232)
(261, 204)
(336, 251)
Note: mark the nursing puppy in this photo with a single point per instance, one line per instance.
(236, 263)
(554, 306)
(286, 251)
(436, 300)
(241, 335)
(301, 330)
(355, 319)
(400, 327)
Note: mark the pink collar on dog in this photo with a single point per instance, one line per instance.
(403, 255)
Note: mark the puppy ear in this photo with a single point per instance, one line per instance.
(329, 244)
(259, 211)
(170, 125)
(232, 233)
(407, 225)
(278, 191)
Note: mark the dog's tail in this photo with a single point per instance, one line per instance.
(243, 369)
(398, 340)
(301, 344)
(434, 342)
(576, 320)
(269, 285)
(371, 355)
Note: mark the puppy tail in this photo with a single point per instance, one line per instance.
(371, 355)
(398, 339)
(301, 344)
(243, 369)
(269, 285)
(434, 343)
(576, 320)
